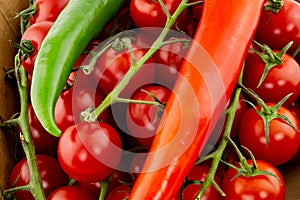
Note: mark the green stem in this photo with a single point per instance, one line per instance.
(217, 155)
(112, 97)
(153, 103)
(104, 187)
(195, 3)
(35, 185)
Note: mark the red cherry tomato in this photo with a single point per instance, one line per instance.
(119, 193)
(35, 34)
(142, 119)
(121, 22)
(52, 175)
(283, 140)
(136, 164)
(113, 65)
(277, 29)
(264, 187)
(89, 152)
(73, 101)
(168, 59)
(280, 81)
(44, 142)
(47, 10)
(199, 173)
(117, 178)
(71, 192)
(148, 13)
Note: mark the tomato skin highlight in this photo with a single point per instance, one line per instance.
(112, 66)
(51, 173)
(199, 173)
(220, 44)
(47, 10)
(83, 147)
(280, 81)
(120, 192)
(277, 29)
(35, 34)
(260, 187)
(75, 100)
(148, 13)
(44, 143)
(141, 118)
(70, 192)
(283, 140)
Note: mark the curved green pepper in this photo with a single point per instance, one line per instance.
(76, 26)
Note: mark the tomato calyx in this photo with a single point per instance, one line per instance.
(243, 167)
(25, 48)
(270, 58)
(268, 112)
(274, 5)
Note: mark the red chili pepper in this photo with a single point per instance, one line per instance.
(199, 97)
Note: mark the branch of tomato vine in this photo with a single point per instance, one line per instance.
(268, 113)
(112, 97)
(217, 154)
(245, 169)
(35, 185)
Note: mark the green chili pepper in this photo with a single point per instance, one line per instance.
(76, 26)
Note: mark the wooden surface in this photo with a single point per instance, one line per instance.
(8, 93)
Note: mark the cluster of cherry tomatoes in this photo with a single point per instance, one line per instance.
(76, 155)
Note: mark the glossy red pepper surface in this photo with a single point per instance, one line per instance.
(208, 77)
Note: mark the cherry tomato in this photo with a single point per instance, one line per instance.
(52, 175)
(119, 193)
(199, 173)
(44, 142)
(35, 34)
(73, 101)
(277, 29)
(258, 187)
(280, 81)
(121, 22)
(142, 119)
(136, 164)
(93, 187)
(148, 13)
(113, 65)
(117, 178)
(89, 151)
(47, 10)
(169, 58)
(283, 140)
(70, 192)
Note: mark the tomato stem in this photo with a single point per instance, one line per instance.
(270, 58)
(164, 8)
(104, 187)
(195, 3)
(217, 154)
(274, 5)
(112, 97)
(35, 185)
